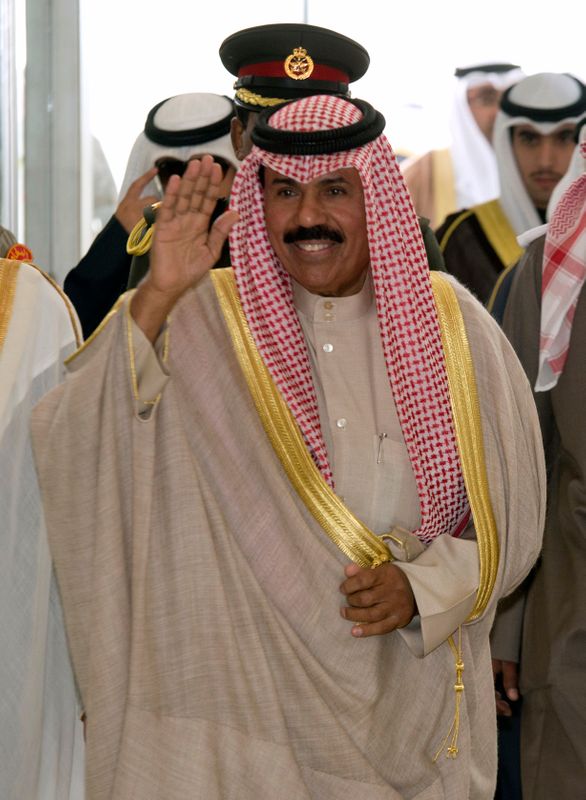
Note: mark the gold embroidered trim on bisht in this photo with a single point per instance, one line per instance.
(132, 359)
(353, 538)
(468, 425)
(8, 276)
(498, 231)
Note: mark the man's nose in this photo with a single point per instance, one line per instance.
(546, 154)
(310, 211)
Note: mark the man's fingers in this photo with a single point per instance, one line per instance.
(365, 629)
(192, 187)
(511, 680)
(366, 597)
(359, 581)
(375, 613)
(503, 709)
(166, 210)
(199, 188)
(138, 185)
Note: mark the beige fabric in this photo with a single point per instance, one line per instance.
(430, 180)
(372, 475)
(505, 637)
(202, 598)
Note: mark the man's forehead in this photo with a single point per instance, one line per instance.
(480, 88)
(528, 127)
(346, 174)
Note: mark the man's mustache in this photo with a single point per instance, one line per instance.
(301, 234)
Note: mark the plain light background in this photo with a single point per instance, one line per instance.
(138, 52)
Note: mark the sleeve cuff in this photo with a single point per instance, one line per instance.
(147, 367)
(444, 580)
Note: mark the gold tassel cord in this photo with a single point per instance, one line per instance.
(450, 741)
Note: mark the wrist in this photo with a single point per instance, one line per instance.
(150, 308)
(124, 222)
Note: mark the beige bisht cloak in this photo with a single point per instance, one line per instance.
(201, 596)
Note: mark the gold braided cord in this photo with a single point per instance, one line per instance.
(468, 425)
(246, 96)
(347, 532)
(141, 236)
(8, 276)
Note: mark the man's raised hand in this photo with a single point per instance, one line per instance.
(184, 246)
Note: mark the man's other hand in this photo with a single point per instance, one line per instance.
(379, 600)
(506, 677)
(132, 205)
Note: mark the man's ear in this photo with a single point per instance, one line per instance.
(237, 136)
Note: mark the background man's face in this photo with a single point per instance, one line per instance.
(318, 230)
(542, 160)
(484, 102)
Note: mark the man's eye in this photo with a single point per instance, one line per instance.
(565, 136)
(285, 192)
(336, 190)
(488, 99)
(528, 138)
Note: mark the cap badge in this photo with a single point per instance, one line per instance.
(298, 65)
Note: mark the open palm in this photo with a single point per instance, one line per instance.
(184, 247)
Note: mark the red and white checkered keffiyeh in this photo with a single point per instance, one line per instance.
(564, 270)
(405, 305)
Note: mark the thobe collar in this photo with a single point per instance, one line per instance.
(317, 308)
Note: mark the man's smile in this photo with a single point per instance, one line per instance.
(315, 247)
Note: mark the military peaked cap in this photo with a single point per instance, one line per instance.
(276, 63)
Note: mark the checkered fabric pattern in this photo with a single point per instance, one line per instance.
(405, 305)
(564, 270)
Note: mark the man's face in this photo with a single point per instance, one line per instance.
(318, 230)
(484, 102)
(542, 160)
